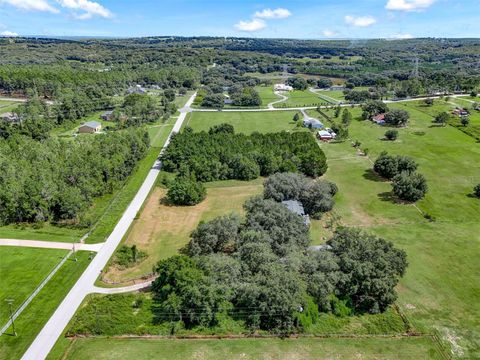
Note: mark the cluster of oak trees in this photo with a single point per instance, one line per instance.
(407, 184)
(222, 154)
(57, 180)
(261, 270)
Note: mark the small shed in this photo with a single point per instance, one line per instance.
(90, 127)
(282, 87)
(107, 115)
(379, 119)
(326, 135)
(137, 89)
(296, 207)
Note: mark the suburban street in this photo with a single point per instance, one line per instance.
(55, 326)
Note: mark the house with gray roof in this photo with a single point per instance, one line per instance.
(90, 127)
(10, 117)
(312, 123)
(296, 207)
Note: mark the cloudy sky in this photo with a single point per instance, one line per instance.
(316, 19)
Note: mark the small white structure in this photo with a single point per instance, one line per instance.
(326, 134)
(296, 207)
(282, 87)
(10, 117)
(137, 89)
(312, 123)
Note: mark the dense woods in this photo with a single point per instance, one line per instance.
(221, 154)
(57, 180)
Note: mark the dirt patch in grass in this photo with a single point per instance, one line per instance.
(161, 230)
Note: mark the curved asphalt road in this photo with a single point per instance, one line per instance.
(46, 339)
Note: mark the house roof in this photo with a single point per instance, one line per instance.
(8, 114)
(379, 117)
(320, 247)
(92, 124)
(294, 206)
(313, 122)
(325, 133)
(108, 112)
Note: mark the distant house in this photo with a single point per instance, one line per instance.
(107, 115)
(320, 247)
(379, 119)
(337, 88)
(10, 117)
(312, 123)
(326, 135)
(90, 127)
(228, 101)
(282, 87)
(296, 207)
(460, 112)
(137, 89)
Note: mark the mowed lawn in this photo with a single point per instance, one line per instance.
(440, 291)
(267, 95)
(21, 271)
(245, 122)
(37, 313)
(253, 349)
(298, 98)
(161, 230)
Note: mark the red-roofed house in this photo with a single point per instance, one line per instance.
(379, 119)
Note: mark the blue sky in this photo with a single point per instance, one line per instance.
(316, 19)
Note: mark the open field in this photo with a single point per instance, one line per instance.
(291, 349)
(267, 95)
(335, 94)
(297, 98)
(21, 271)
(30, 322)
(440, 288)
(246, 122)
(161, 230)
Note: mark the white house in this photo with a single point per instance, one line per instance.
(282, 87)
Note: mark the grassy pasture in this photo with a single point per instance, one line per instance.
(439, 291)
(277, 349)
(297, 98)
(161, 230)
(34, 317)
(21, 271)
(246, 122)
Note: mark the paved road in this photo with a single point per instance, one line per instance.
(55, 326)
(22, 100)
(50, 244)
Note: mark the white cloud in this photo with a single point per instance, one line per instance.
(8, 33)
(361, 21)
(89, 8)
(279, 13)
(329, 33)
(402, 36)
(408, 5)
(251, 26)
(31, 5)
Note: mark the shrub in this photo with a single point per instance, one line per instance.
(409, 186)
(186, 191)
(389, 166)
(127, 256)
(391, 134)
(397, 117)
(476, 191)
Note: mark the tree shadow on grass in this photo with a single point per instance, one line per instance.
(388, 196)
(371, 175)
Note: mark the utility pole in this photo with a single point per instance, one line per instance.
(10, 303)
(73, 250)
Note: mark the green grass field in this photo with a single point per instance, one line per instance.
(271, 349)
(335, 94)
(33, 318)
(440, 289)
(246, 122)
(21, 271)
(267, 95)
(299, 98)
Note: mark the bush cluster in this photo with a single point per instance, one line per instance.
(221, 154)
